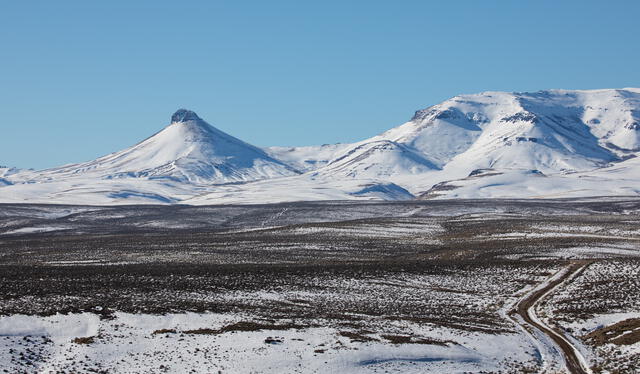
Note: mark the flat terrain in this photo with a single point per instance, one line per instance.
(426, 286)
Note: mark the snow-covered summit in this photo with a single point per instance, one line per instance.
(184, 115)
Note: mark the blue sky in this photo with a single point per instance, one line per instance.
(79, 79)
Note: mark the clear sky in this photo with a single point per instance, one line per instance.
(79, 79)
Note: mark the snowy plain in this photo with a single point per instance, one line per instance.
(135, 343)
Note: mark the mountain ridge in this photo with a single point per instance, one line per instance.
(561, 134)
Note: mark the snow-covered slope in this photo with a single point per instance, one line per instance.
(301, 188)
(307, 158)
(379, 159)
(619, 180)
(493, 144)
(6, 173)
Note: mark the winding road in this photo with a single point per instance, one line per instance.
(575, 362)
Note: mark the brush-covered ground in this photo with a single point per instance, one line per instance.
(331, 287)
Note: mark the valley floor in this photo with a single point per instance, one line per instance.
(335, 287)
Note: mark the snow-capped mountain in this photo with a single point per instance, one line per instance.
(551, 131)
(184, 159)
(187, 150)
(494, 144)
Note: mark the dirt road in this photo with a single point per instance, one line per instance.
(575, 362)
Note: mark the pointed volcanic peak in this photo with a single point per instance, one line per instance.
(188, 150)
(552, 131)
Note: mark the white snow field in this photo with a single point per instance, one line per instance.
(555, 143)
(143, 343)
